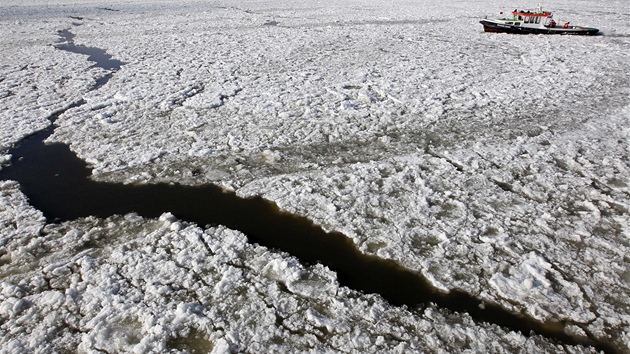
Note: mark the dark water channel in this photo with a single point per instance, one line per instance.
(96, 55)
(57, 182)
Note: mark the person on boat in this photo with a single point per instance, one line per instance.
(566, 25)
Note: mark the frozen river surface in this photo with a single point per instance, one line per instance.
(493, 165)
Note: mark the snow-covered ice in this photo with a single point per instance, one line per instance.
(494, 164)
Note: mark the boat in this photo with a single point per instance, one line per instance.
(534, 21)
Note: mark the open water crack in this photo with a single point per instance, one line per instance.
(58, 183)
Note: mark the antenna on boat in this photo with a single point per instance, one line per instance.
(539, 8)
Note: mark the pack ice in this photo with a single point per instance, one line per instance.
(490, 163)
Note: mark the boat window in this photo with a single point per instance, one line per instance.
(537, 19)
(526, 19)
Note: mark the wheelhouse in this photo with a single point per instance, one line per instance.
(531, 17)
